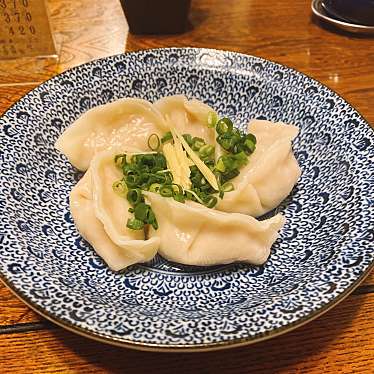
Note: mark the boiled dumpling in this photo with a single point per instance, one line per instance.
(192, 234)
(101, 215)
(270, 174)
(187, 116)
(117, 125)
(188, 233)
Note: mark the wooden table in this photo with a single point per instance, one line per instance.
(342, 340)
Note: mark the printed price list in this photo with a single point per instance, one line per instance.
(24, 29)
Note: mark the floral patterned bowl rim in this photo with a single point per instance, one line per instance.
(199, 72)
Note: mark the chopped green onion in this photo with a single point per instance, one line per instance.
(250, 145)
(148, 171)
(206, 188)
(160, 161)
(154, 187)
(168, 136)
(224, 125)
(134, 196)
(145, 161)
(129, 169)
(212, 119)
(141, 211)
(234, 140)
(120, 188)
(154, 142)
(237, 133)
(228, 162)
(120, 160)
(197, 198)
(206, 151)
(227, 187)
(152, 219)
(210, 201)
(179, 197)
(132, 180)
(220, 166)
(197, 143)
(209, 162)
(230, 175)
(188, 139)
(252, 138)
(224, 142)
(241, 158)
(168, 177)
(237, 148)
(166, 190)
(145, 178)
(134, 224)
(177, 188)
(196, 179)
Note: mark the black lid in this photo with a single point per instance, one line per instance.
(360, 12)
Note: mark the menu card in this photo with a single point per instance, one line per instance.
(25, 29)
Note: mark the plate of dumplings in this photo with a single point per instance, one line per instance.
(184, 199)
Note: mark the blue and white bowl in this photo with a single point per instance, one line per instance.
(324, 250)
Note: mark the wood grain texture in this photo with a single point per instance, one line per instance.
(10, 94)
(369, 280)
(341, 341)
(13, 311)
(84, 30)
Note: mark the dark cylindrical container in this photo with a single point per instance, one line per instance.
(354, 11)
(156, 16)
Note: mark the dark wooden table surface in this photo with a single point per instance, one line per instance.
(340, 341)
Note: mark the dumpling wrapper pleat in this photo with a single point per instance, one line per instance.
(270, 174)
(117, 126)
(187, 116)
(101, 215)
(192, 234)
